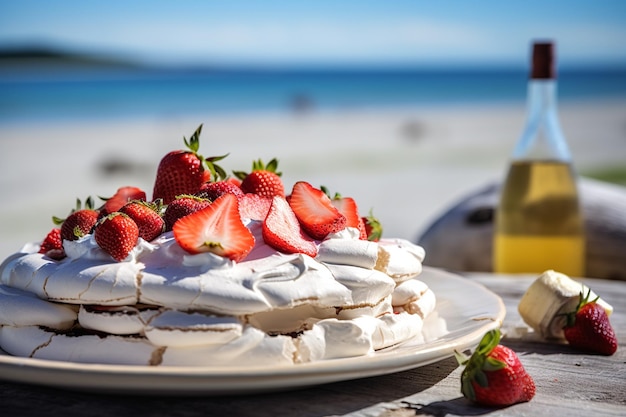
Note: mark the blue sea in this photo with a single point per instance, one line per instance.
(48, 94)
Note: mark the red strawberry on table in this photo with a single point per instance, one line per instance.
(52, 245)
(80, 221)
(282, 231)
(494, 375)
(184, 171)
(147, 217)
(117, 235)
(588, 328)
(122, 196)
(315, 211)
(264, 180)
(182, 206)
(216, 228)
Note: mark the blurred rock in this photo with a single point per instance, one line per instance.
(461, 238)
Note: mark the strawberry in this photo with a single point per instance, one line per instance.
(122, 196)
(254, 207)
(233, 180)
(494, 375)
(588, 328)
(212, 190)
(216, 228)
(315, 211)
(117, 235)
(263, 180)
(282, 231)
(80, 221)
(348, 207)
(146, 216)
(183, 171)
(182, 206)
(52, 245)
(373, 227)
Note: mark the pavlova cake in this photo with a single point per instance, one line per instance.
(212, 271)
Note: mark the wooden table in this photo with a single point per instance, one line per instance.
(568, 383)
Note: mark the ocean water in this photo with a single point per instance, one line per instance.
(48, 94)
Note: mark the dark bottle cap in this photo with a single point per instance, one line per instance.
(543, 61)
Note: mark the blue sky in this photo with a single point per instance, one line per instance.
(323, 32)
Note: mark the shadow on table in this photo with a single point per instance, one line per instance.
(330, 399)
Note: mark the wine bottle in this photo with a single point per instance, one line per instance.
(538, 221)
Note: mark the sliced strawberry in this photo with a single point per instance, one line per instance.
(182, 206)
(282, 231)
(348, 207)
(254, 206)
(362, 229)
(147, 217)
(315, 211)
(117, 235)
(217, 228)
(122, 196)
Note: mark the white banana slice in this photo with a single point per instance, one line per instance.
(548, 297)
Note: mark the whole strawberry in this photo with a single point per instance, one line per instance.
(184, 171)
(588, 328)
(52, 245)
(494, 375)
(80, 221)
(122, 196)
(147, 217)
(182, 206)
(373, 228)
(213, 190)
(264, 180)
(117, 235)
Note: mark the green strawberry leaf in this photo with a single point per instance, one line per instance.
(492, 364)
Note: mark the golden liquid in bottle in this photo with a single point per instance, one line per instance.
(539, 223)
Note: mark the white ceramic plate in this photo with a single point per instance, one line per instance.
(465, 311)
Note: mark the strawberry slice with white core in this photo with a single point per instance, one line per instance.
(315, 211)
(282, 231)
(254, 206)
(217, 228)
(347, 206)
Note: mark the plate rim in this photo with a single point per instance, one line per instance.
(202, 379)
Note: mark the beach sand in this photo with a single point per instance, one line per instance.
(407, 166)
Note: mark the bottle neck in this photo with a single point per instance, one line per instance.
(542, 137)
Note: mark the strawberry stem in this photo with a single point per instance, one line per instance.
(194, 141)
